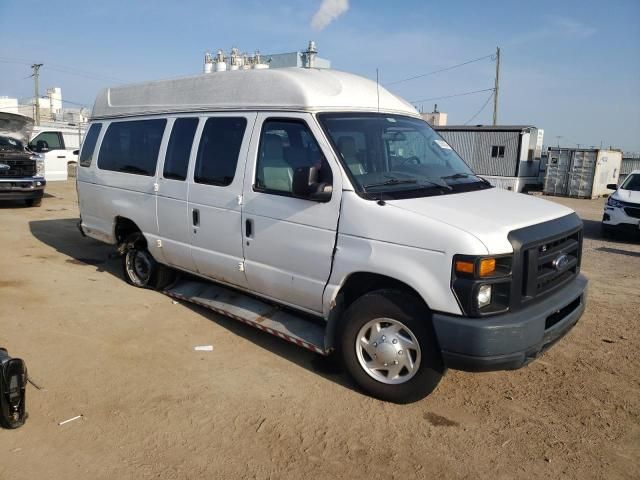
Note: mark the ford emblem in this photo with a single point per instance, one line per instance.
(4, 166)
(561, 262)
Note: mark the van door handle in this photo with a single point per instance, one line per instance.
(195, 214)
(248, 228)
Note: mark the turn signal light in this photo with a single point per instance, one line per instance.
(464, 267)
(487, 266)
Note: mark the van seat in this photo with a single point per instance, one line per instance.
(347, 148)
(277, 174)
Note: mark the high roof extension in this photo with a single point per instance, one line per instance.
(288, 89)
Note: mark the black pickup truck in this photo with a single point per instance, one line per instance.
(21, 171)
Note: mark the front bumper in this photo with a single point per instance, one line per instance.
(22, 188)
(510, 340)
(618, 217)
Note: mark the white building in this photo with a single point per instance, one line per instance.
(51, 107)
(435, 118)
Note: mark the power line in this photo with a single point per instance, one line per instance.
(440, 70)
(68, 70)
(481, 108)
(451, 96)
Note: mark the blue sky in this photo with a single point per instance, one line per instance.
(570, 67)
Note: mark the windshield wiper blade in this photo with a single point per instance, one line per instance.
(391, 181)
(458, 175)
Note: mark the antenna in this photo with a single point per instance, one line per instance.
(496, 88)
(378, 89)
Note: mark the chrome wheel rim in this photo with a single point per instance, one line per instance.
(388, 351)
(138, 267)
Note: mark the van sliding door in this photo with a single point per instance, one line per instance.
(215, 197)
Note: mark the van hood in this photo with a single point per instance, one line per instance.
(15, 126)
(627, 196)
(489, 215)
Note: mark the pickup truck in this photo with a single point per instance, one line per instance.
(21, 170)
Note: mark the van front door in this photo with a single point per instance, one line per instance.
(215, 197)
(288, 242)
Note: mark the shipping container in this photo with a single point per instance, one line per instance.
(508, 156)
(630, 163)
(581, 172)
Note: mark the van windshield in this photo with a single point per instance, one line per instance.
(394, 156)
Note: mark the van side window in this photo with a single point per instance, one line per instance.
(284, 146)
(132, 147)
(218, 150)
(176, 161)
(89, 144)
(47, 141)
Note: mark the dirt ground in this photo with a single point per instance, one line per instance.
(257, 407)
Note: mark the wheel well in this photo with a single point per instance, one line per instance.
(123, 228)
(363, 282)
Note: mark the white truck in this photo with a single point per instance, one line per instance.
(317, 206)
(21, 170)
(59, 145)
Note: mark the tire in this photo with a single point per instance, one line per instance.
(606, 231)
(140, 268)
(34, 202)
(406, 336)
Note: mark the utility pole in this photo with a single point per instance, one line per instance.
(496, 88)
(36, 78)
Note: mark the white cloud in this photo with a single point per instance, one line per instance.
(329, 10)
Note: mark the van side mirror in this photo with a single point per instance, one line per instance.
(76, 152)
(305, 185)
(612, 186)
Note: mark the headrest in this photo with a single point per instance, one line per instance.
(347, 146)
(272, 146)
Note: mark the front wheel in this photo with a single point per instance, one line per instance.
(34, 202)
(140, 268)
(389, 347)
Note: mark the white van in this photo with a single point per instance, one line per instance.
(59, 146)
(319, 207)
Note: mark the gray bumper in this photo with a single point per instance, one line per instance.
(513, 339)
(22, 188)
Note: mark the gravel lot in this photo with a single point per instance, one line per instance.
(257, 407)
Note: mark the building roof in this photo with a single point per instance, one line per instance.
(294, 89)
(487, 128)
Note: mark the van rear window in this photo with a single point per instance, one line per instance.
(89, 144)
(219, 149)
(132, 147)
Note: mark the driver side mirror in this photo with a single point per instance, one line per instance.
(41, 146)
(305, 185)
(612, 186)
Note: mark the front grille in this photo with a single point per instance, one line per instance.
(632, 212)
(18, 168)
(543, 272)
(546, 257)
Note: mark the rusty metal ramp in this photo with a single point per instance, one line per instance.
(265, 316)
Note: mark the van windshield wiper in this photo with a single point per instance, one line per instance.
(457, 175)
(391, 181)
(398, 181)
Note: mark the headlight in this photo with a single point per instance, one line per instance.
(612, 202)
(39, 165)
(482, 285)
(484, 296)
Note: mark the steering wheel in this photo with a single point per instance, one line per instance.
(413, 160)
